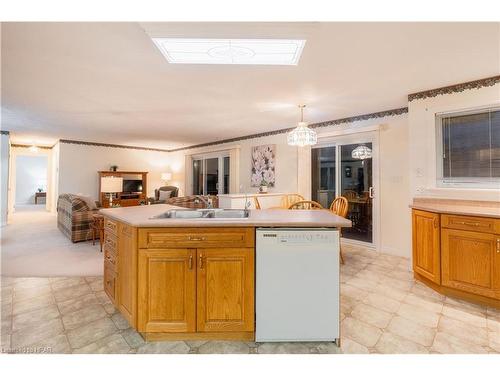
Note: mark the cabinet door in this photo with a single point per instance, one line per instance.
(471, 262)
(225, 290)
(167, 290)
(426, 245)
(127, 272)
(110, 282)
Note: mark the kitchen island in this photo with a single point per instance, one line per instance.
(189, 278)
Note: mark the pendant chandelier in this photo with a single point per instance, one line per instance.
(302, 136)
(361, 152)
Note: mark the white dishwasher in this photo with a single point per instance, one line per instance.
(297, 285)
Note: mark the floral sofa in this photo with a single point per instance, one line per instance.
(74, 216)
(193, 201)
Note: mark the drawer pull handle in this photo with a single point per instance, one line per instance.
(200, 261)
(498, 245)
(469, 223)
(196, 238)
(436, 225)
(190, 262)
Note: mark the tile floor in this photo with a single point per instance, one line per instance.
(383, 310)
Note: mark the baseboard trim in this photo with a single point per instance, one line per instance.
(455, 293)
(176, 336)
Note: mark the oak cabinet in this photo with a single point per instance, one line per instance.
(127, 272)
(160, 238)
(225, 288)
(110, 283)
(110, 260)
(471, 261)
(182, 283)
(426, 245)
(458, 255)
(196, 290)
(167, 290)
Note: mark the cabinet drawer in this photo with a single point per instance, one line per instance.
(110, 241)
(110, 282)
(196, 237)
(471, 223)
(110, 226)
(110, 258)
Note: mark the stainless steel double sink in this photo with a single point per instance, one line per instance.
(208, 213)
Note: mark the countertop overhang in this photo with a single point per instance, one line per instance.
(139, 216)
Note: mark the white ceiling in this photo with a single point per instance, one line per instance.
(107, 82)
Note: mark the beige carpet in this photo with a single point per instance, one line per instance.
(33, 246)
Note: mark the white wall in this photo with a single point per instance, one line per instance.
(293, 161)
(395, 235)
(53, 190)
(422, 132)
(79, 164)
(286, 163)
(4, 177)
(31, 174)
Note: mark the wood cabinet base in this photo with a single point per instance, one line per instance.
(454, 293)
(222, 336)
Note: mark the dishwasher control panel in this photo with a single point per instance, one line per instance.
(298, 236)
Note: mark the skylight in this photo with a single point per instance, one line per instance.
(231, 51)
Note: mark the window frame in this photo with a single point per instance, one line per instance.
(460, 182)
(212, 155)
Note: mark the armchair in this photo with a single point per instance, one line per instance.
(156, 200)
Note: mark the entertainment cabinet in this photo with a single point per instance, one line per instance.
(136, 181)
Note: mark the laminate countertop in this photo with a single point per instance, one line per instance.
(458, 207)
(140, 216)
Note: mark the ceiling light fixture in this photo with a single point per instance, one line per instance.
(362, 152)
(33, 148)
(231, 51)
(302, 136)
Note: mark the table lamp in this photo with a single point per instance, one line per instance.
(111, 185)
(166, 176)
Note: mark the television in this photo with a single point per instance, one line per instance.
(132, 186)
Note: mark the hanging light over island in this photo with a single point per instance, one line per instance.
(302, 136)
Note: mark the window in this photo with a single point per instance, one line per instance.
(469, 149)
(211, 174)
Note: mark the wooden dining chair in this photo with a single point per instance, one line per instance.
(290, 199)
(350, 194)
(257, 203)
(340, 207)
(305, 205)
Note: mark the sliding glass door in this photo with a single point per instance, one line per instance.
(344, 166)
(356, 184)
(211, 175)
(324, 179)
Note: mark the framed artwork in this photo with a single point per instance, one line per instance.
(263, 165)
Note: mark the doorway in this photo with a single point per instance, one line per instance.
(31, 182)
(347, 166)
